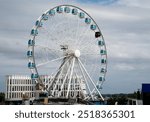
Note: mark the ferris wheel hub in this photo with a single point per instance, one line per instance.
(77, 53)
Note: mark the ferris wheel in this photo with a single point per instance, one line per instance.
(67, 53)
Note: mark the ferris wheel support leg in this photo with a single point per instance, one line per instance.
(91, 80)
(60, 74)
(52, 81)
(85, 79)
(70, 77)
(62, 86)
(100, 86)
(56, 84)
(74, 85)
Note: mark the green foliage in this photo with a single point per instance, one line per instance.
(121, 99)
(2, 97)
(135, 95)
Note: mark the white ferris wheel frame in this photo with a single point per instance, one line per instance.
(36, 76)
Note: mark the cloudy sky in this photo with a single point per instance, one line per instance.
(125, 25)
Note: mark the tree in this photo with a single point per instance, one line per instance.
(138, 94)
(2, 97)
(121, 99)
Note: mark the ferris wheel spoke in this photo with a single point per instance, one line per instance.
(47, 52)
(88, 45)
(77, 31)
(50, 49)
(90, 79)
(57, 59)
(82, 33)
(82, 36)
(60, 76)
(89, 54)
(50, 34)
(67, 28)
(47, 34)
(71, 73)
(63, 35)
(71, 31)
(85, 79)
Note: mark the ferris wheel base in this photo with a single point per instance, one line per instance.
(64, 101)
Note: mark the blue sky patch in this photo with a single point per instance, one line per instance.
(103, 2)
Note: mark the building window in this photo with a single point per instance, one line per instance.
(10, 81)
(13, 88)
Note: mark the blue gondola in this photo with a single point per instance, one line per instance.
(34, 76)
(67, 10)
(100, 43)
(103, 52)
(93, 27)
(31, 42)
(103, 70)
(74, 11)
(87, 20)
(101, 79)
(34, 32)
(38, 23)
(103, 61)
(31, 65)
(52, 12)
(59, 9)
(44, 17)
(29, 53)
(81, 15)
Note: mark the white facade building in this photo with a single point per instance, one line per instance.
(132, 101)
(18, 85)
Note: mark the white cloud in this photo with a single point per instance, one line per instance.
(112, 14)
(135, 3)
(125, 67)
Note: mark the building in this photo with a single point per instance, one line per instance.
(18, 86)
(132, 101)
